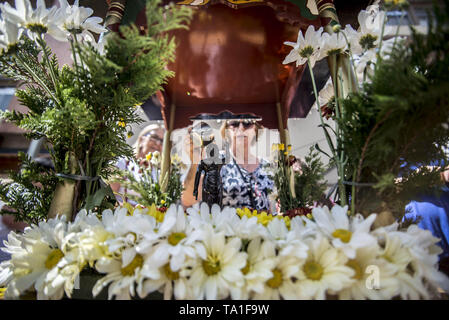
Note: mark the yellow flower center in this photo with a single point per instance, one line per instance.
(313, 270)
(211, 265)
(245, 269)
(172, 275)
(356, 267)
(343, 235)
(276, 281)
(53, 258)
(175, 237)
(132, 266)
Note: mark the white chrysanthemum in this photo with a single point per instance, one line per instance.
(40, 20)
(332, 44)
(77, 20)
(289, 242)
(170, 283)
(244, 227)
(257, 271)
(374, 278)
(128, 231)
(37, 259)
(345, 233)
(396, 253)
(86, 238)
(324, 271)
(424, 250)
(306, 47)
(282, 283)
(121, 278)
(172, 242)
(200, 215)
(218, 267)
(9, 34)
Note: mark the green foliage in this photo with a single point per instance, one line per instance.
(308, 181)
(146, 190)
(30, 192)
(399, 121)
(310, 185)
(85, 110)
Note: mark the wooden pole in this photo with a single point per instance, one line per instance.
(166, 148)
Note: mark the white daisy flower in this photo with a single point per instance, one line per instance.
(306, 47)
(173, 241)
(282, 283)
(78, 21)
(38, 21)
(170, 283)
(86, 238)
(332, 44)
(324, 271)
(121, 278)
(366, 266)
(288, 241)
(128, 232)
(257, 271)
(346, 234)
(410, 285)
(218, 266)
(38, 260)
(200, 215)
(424, 250)
(10, 34)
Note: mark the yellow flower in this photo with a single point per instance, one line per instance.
(285, 152)
(289, 148)
(2, 293)
(281, 147)
(130, 134)
(122, 123)
(158, 215)
(129, 207)
(162, 201)
(309, 215)
(148, 156)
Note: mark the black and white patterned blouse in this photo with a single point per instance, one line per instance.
(236, 190)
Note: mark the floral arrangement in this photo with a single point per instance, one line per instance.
(378, 97)
(83, 111)
(299, 184)
(216, 254)
(146, 186)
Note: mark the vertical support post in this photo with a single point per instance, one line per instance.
(282, 135)
(166, 148)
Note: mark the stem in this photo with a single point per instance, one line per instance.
(368, 139)
(329, 141)
(397, 30)
(381, 37)
(72, 46)
(317, 101)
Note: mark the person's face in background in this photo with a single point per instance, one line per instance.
(242, 134)
(150, 142)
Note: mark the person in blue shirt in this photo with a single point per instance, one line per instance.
(433, 214)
